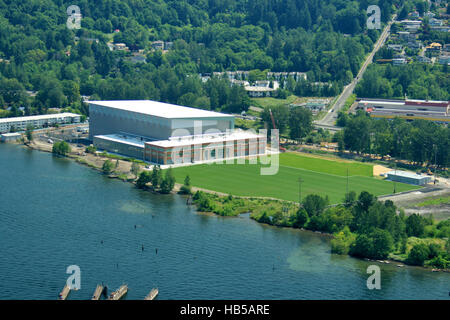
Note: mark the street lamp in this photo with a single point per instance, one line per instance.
(300, 180)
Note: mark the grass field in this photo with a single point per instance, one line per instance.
(320, 176)
(271, 102)
(318, 164)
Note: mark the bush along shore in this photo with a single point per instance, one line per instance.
(362, 226)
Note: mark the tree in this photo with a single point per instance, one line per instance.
(186, 187)
(168, 182)
(280, 114)
(349, 199)
(356, 133)
(135, 168)
(301, 217)
(362, 247)
(300, 123)
(418, 254)
(415, 226)
(144, 178)
(382, 244)
(61, 148)
(91, 149)
(108, 167)
(375, 245)
(29, 132)
(156, 176)
(342, 241)
(315, 204)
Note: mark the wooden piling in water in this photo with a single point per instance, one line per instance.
(64, 293)
(119, 293)
(152, 295)
(98, 292)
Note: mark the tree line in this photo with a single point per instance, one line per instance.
(415, 80)
(418, 141)
(45, 65)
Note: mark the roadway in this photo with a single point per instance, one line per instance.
(330, 118)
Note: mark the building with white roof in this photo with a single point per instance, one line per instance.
(157, 132)
(40, 121)
(156, 120)
(437, 111)
(408, 177)
(7, 137)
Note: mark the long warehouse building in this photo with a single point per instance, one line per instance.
(168, 134)
(40, 121)
(437, 111)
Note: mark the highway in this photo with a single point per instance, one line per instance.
(330, 118)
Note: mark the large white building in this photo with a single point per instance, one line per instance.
(40, 121)
(164, 133)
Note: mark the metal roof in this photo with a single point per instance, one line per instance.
(406, 174)
(39, 117)
(159, 109)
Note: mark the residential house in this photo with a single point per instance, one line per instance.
(262, 88)
(423, 59)
(434, 48)
(446, 47)
(441, 28)
(444, 59)
(399, 61)
(168, 45)
(414, 44)
(395, 47)
(158, 45)
(120, 47)
(435, 22)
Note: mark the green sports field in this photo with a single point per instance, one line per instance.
(320, 176)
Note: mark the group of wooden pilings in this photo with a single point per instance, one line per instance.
(102, 290)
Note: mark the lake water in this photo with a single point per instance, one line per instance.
(55, 213)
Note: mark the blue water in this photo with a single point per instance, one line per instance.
(55, 213)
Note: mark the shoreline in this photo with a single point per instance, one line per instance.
(80, 158)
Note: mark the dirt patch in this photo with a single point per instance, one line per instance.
(377, 170)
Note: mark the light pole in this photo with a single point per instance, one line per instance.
(300, 180)
(435, 167)
(347, 180)
(395, 181)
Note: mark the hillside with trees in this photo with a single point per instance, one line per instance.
(45, 65)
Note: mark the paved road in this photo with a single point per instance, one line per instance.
(330, 117)
(327, 127)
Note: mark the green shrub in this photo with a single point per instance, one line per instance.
(418, 254)
(61, 148)
(108, 167)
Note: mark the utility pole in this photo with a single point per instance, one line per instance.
(347, 180)
(300, 180)
(395, 181)
(435, 167)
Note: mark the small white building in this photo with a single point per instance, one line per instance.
(408, 177)
(8, 137)
(120, 47)
(399, 61)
